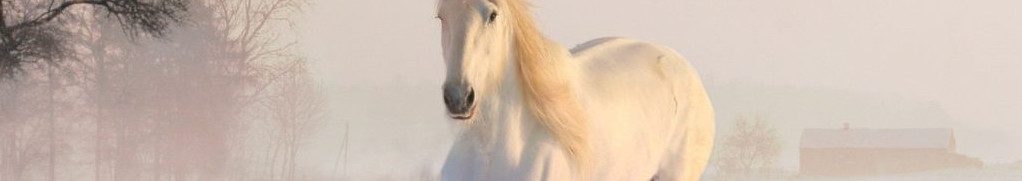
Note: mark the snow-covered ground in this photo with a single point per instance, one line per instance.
(989, 173)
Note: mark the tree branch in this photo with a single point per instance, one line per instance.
(51, 14)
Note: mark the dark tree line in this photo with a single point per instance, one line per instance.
(27, 32)
(122, 95)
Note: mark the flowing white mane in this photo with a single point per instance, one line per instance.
(548, 91)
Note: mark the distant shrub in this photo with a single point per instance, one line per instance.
(752, 148)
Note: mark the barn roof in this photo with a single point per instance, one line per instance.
(941, 138)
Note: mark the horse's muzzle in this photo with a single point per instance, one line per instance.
(460, 101)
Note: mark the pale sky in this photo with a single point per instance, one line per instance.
(382, 65)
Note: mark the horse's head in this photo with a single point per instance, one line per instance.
(476, 40)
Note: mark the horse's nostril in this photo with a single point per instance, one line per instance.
(471, 96)
(459, 101)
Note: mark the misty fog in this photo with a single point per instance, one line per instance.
(799, 64)
(350, 90)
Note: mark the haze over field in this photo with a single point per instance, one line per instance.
(351, 89)
(801, 64)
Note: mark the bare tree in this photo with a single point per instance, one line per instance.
(265, 59)
(25, 35)
(22, 128)
(751, 148)
(297, 106)
(182, 115)
(162, 110)
(55, 100)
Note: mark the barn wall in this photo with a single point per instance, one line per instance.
(869, 161)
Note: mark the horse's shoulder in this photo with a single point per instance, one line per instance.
(622, 55)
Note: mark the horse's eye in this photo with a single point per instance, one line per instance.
(493, 16)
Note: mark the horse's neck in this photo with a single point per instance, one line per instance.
(507, 125)
(508, 100)
(504, 112)
(508, 95)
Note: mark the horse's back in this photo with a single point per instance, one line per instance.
(619, 72)
(642, 98)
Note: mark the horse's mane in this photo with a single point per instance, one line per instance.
(547, 88)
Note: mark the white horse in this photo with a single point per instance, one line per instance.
(610, 109)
